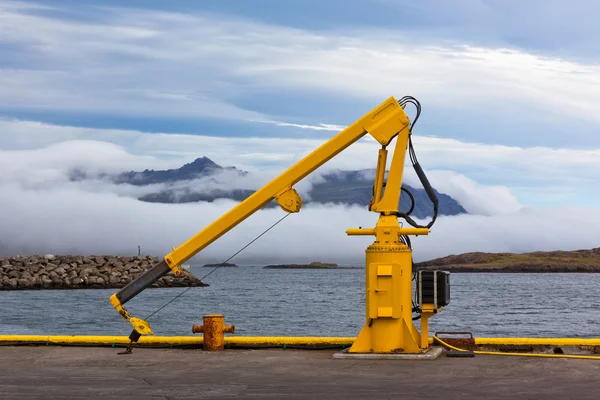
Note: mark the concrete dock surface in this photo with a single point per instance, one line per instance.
(47, 372)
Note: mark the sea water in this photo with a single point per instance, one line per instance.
(309, 302)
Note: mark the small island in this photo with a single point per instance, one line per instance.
(312, 265)
(222, 265)
(539, 261)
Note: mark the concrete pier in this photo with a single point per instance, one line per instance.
(46, 372)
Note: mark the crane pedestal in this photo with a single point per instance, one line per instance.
(388, 327)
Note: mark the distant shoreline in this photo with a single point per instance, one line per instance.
(104, 272)
(306, 267)
(576, 261)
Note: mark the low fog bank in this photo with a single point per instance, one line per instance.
(69, 221)
(43, 211)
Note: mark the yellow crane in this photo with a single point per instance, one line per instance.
(390, 303)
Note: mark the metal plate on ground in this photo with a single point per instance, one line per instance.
(431, 354)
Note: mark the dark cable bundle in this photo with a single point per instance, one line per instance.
(420, 173)
(428, 189)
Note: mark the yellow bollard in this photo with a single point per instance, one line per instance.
(214, 330)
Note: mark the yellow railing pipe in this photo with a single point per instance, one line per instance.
(501, 353)
(271, 340)
(520, 341)
(177, 340)
(539, 341)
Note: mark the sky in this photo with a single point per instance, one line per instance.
(509, 128)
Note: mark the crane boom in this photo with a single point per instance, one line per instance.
(383, 123)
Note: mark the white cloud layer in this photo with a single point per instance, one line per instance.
(42, 211)
(72, 220)
(572, 175)
(174, 64)
(199, 65)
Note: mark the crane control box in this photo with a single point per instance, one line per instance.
(434, 288)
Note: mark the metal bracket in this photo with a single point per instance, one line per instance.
(289, 200)
(173, 266)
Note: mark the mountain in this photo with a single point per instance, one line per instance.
(341, 187)
(356, 187)
(198, 168)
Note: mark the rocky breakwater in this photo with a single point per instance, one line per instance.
(82, 272)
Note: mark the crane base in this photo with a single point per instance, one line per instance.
(432, 353)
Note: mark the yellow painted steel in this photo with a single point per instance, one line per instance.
(427, 310)
(516, 341)
(379, 178)
(372, 231)
(267, 340)
(388, 327)
(178, 340)
(499, 353)
(388, 204)
(538, 341)
(213, 329)
(290, 201)
(384, 123)
(141, 326)
(119, 307)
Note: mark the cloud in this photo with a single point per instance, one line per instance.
(535, 24)
(201, 65)
(44, 212)
(475, 198)
(71, 220)
(571, 174)
(319, 127)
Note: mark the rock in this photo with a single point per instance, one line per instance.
(32, 261)
(129, 266)
(23, 283)
(26, 275)
(97, 271)
(86, 271)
